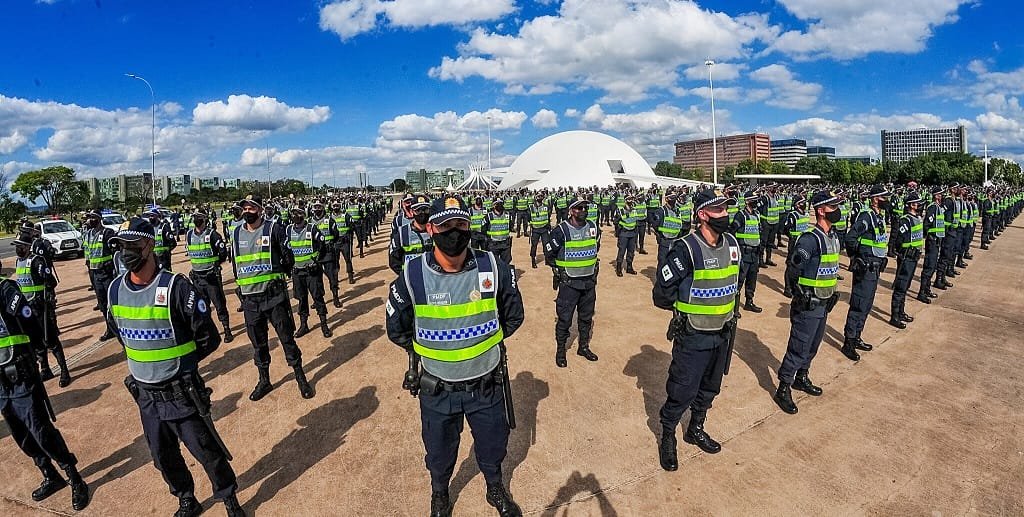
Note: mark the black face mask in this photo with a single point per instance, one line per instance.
(298, 219)
(250, 217)
(421, 218)
(133, 259)
(93, 223)
(452, 242)
(719, 224)
(21, 251)
(883, 205)
(319, 214)
(200, 222)
(834, 216)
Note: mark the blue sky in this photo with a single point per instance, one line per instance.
(381, 86)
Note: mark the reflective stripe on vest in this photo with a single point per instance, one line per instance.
(750, 235)
(254, 262)
(711, 298)
(160, 247)
(916, 232)
(301, 244)
(456, 317)
(412, 248)
(826, 274)
(539, 216)
(578, 255)
(325, 229)
(144, 322)
(199, 250)
(671, 224)
(23, 269)
(627, 220)
(94, 249)
(499, 228)
(803, 224)
(476, 219)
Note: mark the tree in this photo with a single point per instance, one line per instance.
(671, 170)
(11, 212)
(399, 185)
(778, 168)
(56, 185)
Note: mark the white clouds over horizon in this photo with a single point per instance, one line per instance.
(348, 18)
(258, 113)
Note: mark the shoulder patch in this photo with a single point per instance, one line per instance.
(666, 273)
(201, 306)
(26, 312)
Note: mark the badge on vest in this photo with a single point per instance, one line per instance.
(161, 296)
(206, 238)
(265, 240)
(486, 282)
(474, 295)
(439, 299)
(593, 232)
(711, 263)
(309, 235)
(734, 254)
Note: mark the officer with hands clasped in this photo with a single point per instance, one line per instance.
(815, 262)
(452, 309)
(867, 242)
(164, 325)
(698, 283)
(207, 251)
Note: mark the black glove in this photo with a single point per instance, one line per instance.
(831, 302)
(676, 327)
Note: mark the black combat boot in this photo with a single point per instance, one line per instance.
(939, 285)
(45, 373)
(188, 506)
(849, 350)
(263, 386)
(922, 296)
(630, 270)
(642, 251)
(107, 335)
(560, 360)
(584, 350)
(533, 262)
(52, 483)
(897, 322)
(749, 306)
(784, 399)
(303, 327)
(62, 363)
(667, 449)
(502, 501)
(304, 388)
(79, 490)
(984, 246)
(351, 278)
(232, 507)
(325, 329)
(228, 335)
(695, 433)
(337, 301)
(906, 317)
(859, 344)
(803, 383)
(440, 504)
(618, 268)
(968, 256)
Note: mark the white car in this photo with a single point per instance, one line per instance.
(66, 240)
(113, 220)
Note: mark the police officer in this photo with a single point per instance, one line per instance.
(989, 211)
(797, 222)
(909, 245)
(667, 224)
(497, 226)
(38, 282)
(524, 209)
(746, 227)
(99, 258)
(207, 251)
(477, 217)
(463, 372)
(625, 221)
(769, 210)
(403, 215)
(411, 239)
(815, 258)
(867, 243)
(164, 325)
(540, 226)
(343, 224)
(307, 244)
(571, 251)
(165, 240)
(262, 260)
(698, 283)
(328, 258)
(354, 210)
(935, 232)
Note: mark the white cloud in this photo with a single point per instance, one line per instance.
(626, 48)
(787, 91)
(572, 113)
(653, 132)
(859, 133)
(847, 29)
(258, 113)
(722, 72)
(349, 18)
(998, 93)
(544, 119)
(12, 142)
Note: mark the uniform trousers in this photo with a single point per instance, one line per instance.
(748, 271)
(522, 224)
(262, 310)
(443, 416)
(211, 287)
(345, 252)
(32, 429)
(580, 300)
(627, 248)
(807, 328)
(905, 269)
(695, 374)
(932, 250)
(862, 297)
(538, 236)
(308, 282)
(501, 249)
(100, 279)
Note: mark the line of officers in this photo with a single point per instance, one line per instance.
(164, 322)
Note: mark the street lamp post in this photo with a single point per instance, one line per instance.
(714, 133)
(488, 142)
(986, 165)
(152, 147)
(270, 195)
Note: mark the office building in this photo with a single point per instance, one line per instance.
(901, 146)
(696, 154)
(231, 183)
(173, 185)
(423, 180)
(205, 183)
(815, 151)
(788, 151)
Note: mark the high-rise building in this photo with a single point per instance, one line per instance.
(231, 183)
(815, 151)
(788, 151)
(696, 154)
(173, 185)
(205, 183)
(423, 180)
(900, 146)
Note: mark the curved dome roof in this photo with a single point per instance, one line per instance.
(578, 159)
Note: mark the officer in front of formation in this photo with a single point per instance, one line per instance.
(99, 257)
(165, 238)
(460, 348)
(571, 251)
(625, 221)
(497, 227)
(698, 283)
(262, 261)
(668, 225)
(867, 243)
(746, 227)
(207, 251)
(935, 232)
(411, 239)
(307, 244)
(37, 281)
(909, 245)
(23, 401)
(164, 325)
(328, 258)
(815, 260)
(540, 226)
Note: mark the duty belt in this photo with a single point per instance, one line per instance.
(173, 391)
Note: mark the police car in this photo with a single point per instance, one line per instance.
(112, 220)
(66, 240)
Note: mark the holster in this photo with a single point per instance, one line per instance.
(132, 386)
(429, 384)
(678, 327)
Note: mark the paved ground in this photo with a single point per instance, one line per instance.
(928, 423)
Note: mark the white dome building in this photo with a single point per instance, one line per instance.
(581, 159)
